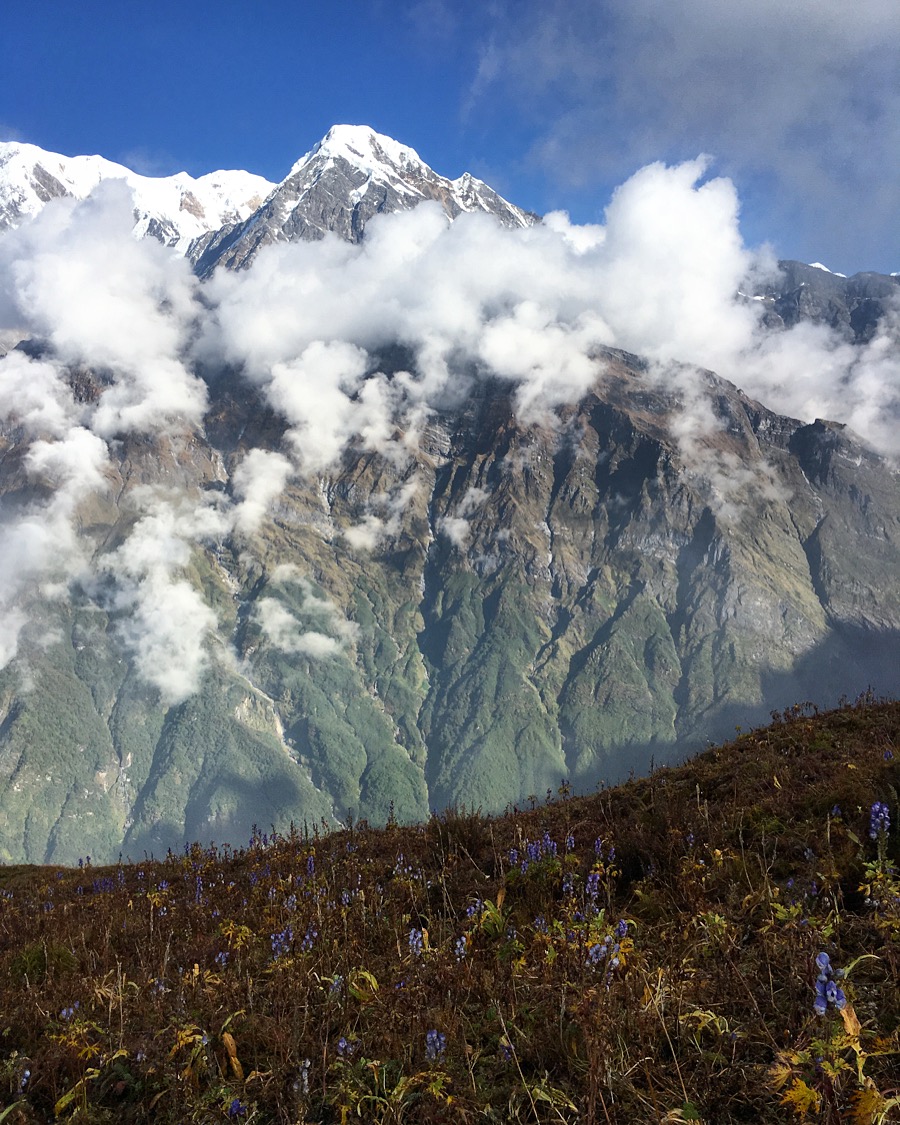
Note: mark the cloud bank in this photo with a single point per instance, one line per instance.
(125, 327)
(800, 100)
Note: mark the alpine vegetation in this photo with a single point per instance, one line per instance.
(712, 943)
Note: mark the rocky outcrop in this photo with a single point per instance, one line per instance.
(854, 306)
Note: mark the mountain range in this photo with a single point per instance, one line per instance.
(322, 587)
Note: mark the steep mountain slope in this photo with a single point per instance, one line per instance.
(462, 600)
(549, 602)
(352, 174)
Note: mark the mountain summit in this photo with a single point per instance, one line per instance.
(225, 217)
(351, 175)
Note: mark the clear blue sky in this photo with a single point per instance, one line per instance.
(554, 102)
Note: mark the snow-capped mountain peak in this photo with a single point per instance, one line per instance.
(353, 174)
(225, 217)
(175, 209)
(374, 153)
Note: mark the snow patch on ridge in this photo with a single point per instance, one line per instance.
(819, 266)
(184, 207)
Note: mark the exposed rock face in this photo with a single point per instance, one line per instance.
(603, 607)
(352, 175)
(567, 599)
(852, 305)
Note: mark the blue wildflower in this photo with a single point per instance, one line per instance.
(598, 951)
(592, 886)
(237, 1109)
(435, 1044)
(827, 990)
(416, 942)
(879, 820)
(281, 942)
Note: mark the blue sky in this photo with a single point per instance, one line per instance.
(554, 103)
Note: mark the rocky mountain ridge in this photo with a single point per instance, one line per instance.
(489, 602)
(225, 217)
(854, 306)
(351, 175)
(175, 210)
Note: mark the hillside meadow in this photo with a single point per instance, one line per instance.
(716, 942)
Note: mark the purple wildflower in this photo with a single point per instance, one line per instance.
(592, 886)
(827, 990)
(435, 1045)
(879, 820)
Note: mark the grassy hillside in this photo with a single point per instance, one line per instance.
(646, 954)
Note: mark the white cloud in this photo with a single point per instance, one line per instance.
(75, 277)
(285, 632)
(258, 481)
(316, 393)
(162, 618)
(801, 99)
(660, 278)
(325, 631)
(375, 529)
(457, 526)
(34, 394)
(40, 550)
